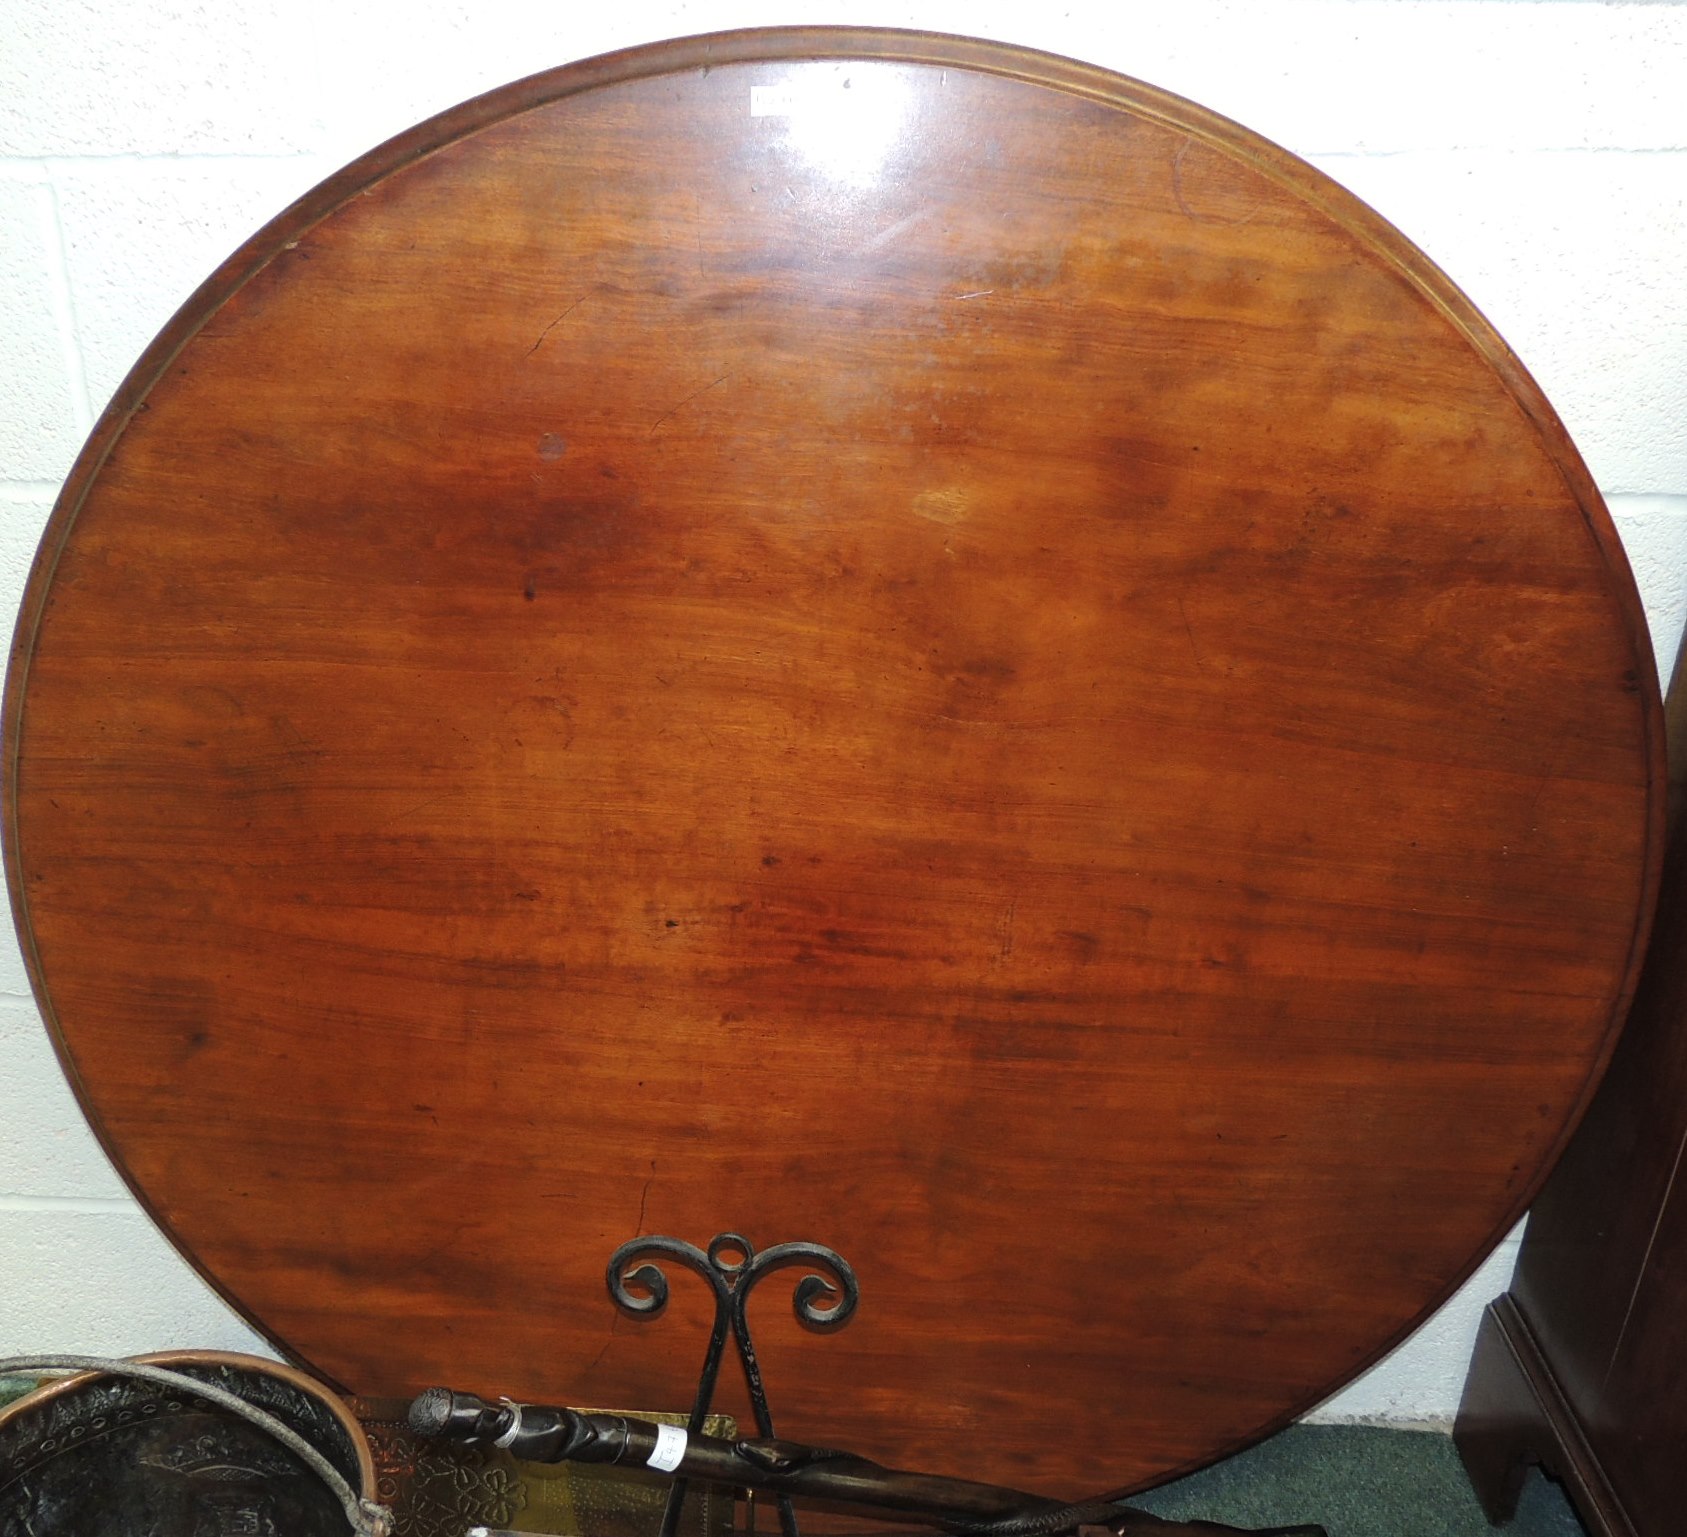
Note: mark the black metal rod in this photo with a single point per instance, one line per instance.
(783, 1468)
(793, 1470)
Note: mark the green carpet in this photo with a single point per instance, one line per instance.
(1356, 1481)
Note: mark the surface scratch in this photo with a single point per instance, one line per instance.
(417, 809)
(558, 321)
(609, 1339)
(644, 1201)
(1188, 629)
(892, 231)
(1196, 214)
(682, 404)
(1004, 930)
(638, 1230)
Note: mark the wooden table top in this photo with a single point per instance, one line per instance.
(847, 636)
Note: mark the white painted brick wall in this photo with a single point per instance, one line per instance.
(1537, 149)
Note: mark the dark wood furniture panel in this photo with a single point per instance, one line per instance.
(1582, 1366)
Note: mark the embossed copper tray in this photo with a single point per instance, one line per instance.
(105, 1456)
(847, 636)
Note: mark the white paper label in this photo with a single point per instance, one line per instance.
(670, 1447)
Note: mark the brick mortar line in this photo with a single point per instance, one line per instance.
(1617, 500)
(63, 302)
(83, 1205)
(19, 491)
(1351, 152)
(37, 167)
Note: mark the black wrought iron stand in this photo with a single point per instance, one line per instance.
(823, 1299)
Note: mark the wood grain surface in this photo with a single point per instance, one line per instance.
(846, 636)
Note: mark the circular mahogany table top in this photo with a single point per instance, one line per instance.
(845, 636)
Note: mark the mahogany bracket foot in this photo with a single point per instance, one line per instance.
(1514, 1415)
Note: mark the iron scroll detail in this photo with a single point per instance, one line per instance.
(823, 1299)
